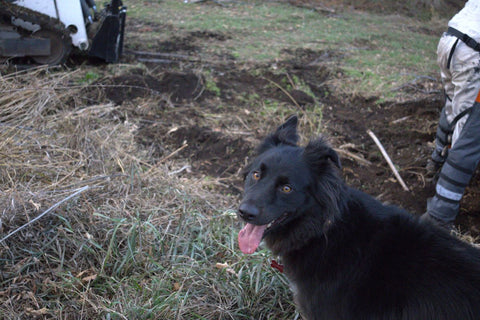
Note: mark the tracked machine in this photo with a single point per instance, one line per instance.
(48, 31)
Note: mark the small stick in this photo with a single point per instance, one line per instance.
(174, 153)
(154, 60)
(353, 156)
(159, 54)
(400, 120)
(284, 91)
(389, 161)
(185, 167)
(78, 191)
(167, 157)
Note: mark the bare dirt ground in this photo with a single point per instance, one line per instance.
(213, 131)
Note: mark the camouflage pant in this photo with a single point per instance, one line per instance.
(461, 81)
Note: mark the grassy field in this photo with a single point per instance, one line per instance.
(142, 241)
(377, 53)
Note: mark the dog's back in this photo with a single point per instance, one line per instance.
(347, 255)
(382, 263)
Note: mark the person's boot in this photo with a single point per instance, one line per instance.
(447, 225)
(433, 170)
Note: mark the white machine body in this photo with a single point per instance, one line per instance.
(69, 12)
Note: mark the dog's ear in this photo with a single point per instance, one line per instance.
(318, 153)
(285, 134)
(244, 172)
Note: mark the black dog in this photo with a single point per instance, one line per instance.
(347, 255)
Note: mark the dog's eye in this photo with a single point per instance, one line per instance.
(286, 188)
(256, 175)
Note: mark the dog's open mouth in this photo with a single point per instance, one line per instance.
(251, 235)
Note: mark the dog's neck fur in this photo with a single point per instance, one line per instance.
(280, 245)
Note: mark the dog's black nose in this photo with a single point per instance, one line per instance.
(248, 212)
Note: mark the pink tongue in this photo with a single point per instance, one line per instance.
(249, 237)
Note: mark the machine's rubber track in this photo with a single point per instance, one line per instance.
(44, 21)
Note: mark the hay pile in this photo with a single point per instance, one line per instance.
(137, 242)
(51, 144)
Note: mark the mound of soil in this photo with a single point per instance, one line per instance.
(176, 86)
(211, 152)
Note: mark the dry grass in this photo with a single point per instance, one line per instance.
(140, 243)
(144, 241)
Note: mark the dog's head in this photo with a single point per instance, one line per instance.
(288, 187)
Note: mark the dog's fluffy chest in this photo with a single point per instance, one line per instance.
(315, 302)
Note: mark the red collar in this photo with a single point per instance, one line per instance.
(276, 265)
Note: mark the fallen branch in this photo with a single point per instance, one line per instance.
(389, 161)
(77, 192)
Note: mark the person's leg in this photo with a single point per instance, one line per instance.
(464, 155)
(465, 80)
(444, 131)
(462, 83)
(457, 170)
